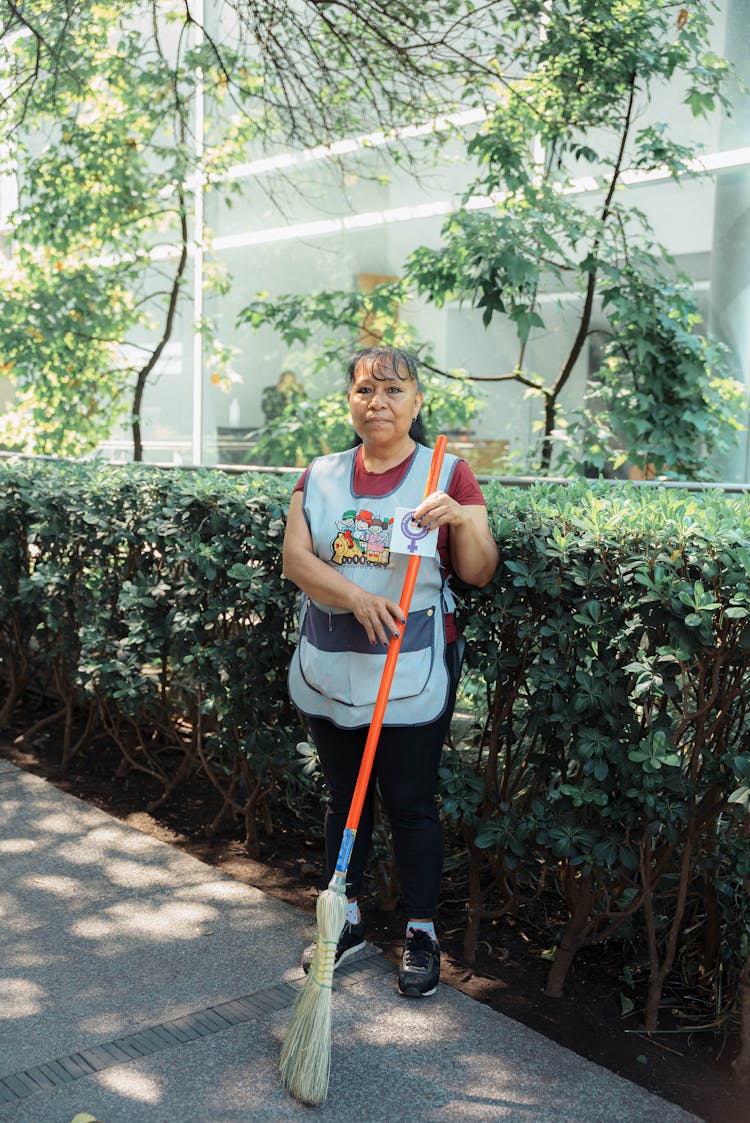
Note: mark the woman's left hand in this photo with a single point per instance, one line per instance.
(437, 510)
(472, 547)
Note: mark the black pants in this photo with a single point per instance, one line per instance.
(406, 771)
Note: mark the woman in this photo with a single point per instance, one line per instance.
(352, 587)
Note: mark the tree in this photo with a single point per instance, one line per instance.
(100, 107)
(575, 70)
(104, 152)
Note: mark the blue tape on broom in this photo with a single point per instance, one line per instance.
(345, 852)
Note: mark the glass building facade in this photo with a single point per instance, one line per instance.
(304, 222)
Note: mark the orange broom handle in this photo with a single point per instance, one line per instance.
(386, 680)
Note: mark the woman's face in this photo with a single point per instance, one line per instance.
(382, 408)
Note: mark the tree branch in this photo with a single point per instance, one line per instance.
(588, 303)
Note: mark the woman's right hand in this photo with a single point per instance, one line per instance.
(381, 618)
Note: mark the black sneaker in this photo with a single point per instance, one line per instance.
(352, 939)
(419, 972)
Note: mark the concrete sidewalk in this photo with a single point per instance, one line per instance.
(140, 985)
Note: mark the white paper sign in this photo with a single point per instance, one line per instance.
(409, 538)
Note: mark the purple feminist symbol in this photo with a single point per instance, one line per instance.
(412, 531)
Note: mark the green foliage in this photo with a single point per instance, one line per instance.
(312, 427)
(655, 367)
(103, 155)
(154, 605)
(594, 66)
(99, 106)
(614, 649)
(524, 228)
(58, 338)
(297, 317)
(321, 424)
(315, 426)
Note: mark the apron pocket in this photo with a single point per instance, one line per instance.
(412, 674)
(337, 659)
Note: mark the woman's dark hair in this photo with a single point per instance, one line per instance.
(384, 362)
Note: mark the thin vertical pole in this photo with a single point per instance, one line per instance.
(378, 713)
(198, 230)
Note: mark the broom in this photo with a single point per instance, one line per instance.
(305, 1064)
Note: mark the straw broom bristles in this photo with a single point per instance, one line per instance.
(306, 1054)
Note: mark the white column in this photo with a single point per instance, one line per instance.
(729, 309)
(197, 453)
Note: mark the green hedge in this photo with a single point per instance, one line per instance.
(601, 746)
(150, 606)
(614, 751)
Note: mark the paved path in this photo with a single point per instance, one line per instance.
(142, 986)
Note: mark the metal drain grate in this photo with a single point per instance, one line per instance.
(202, 1023)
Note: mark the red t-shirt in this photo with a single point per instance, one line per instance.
(463, 487)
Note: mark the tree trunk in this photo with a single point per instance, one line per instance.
(181, 774)
(741, 1063)
(50, 719)
(551, 396)
(229, 806)
(156, 354)
(18, 681)
(711, 937)
(8, 706)
(659, 972)
(474, 909)
(550, 413)
(67, 744)
(580, 895)
(72, 750)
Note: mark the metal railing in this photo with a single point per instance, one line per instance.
(728, 487)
